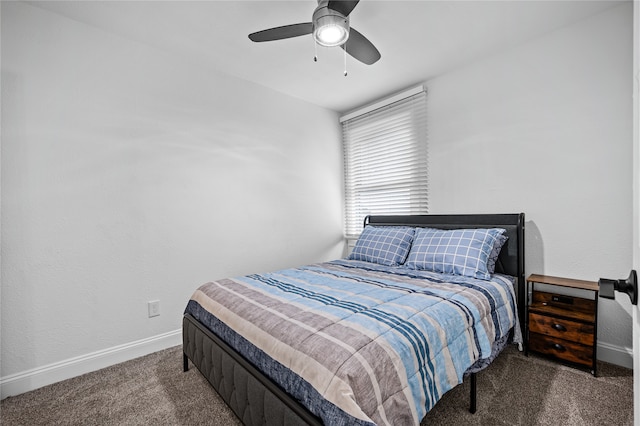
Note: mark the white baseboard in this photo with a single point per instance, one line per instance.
(25, 381)
(614, 354)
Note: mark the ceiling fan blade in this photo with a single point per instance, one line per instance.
(361, 48)
(279, 33)
(344, 7)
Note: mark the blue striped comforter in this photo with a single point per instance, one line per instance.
(356, 342)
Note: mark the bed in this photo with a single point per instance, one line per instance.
(376, 338)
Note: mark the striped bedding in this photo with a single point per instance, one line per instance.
(359, 343)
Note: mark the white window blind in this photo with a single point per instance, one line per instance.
(385, 160)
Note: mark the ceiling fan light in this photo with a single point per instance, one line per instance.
(331, 35)
(331, 29)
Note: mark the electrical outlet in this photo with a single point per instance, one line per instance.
(154, 308)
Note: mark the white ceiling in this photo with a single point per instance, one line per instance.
(418, 40)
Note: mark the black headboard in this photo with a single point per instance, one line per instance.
(511, 260)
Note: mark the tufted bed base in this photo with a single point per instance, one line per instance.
(252, 397)
(243, 388)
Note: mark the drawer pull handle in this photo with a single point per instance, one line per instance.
(558, 347)
(559, 327)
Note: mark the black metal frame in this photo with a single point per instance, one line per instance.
(511, 262)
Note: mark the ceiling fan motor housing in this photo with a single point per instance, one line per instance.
(330, 27)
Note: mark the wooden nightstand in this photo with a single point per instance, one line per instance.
(563, 327)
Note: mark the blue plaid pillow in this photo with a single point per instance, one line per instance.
(387, 245)
(459, 251)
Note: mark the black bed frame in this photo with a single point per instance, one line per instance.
(256, 400)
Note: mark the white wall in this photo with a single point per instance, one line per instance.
(129, 176)
(546, 129)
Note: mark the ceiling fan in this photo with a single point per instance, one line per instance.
(330, 27)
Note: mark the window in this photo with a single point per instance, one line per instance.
(385, 159)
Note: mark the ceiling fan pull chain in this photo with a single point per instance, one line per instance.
(345, 60)
(315, 48)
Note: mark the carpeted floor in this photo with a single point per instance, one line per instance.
(153, 390)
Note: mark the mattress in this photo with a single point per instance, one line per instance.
(356, 342)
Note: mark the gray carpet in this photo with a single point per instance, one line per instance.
(153, 390)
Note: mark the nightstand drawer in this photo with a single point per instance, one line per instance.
(561, 328)
(563, 349)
